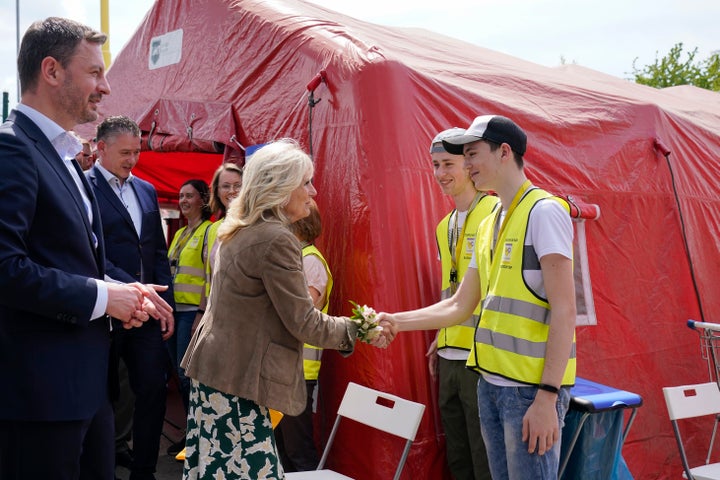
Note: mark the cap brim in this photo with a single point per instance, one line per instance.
(455, 145)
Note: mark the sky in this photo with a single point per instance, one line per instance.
(607, 36)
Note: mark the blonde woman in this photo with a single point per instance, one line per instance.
(247, 353)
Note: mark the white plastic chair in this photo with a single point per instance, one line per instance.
(379, 410)
(690, 401)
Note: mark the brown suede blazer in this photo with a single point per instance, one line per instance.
(250, 340)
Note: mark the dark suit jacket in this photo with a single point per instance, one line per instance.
(131, 258)
(53, 360)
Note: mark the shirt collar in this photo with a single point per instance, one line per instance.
(66, 145)
(110, 177)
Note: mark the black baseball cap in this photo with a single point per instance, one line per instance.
(495, 128)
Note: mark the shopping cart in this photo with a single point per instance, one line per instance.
(709, 346)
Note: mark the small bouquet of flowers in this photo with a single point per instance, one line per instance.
(364, 317)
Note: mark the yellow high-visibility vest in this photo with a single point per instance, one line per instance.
(311, 354)
(460, 336)
(189, 273)
(512, 334)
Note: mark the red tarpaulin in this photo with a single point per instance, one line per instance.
(232, 73)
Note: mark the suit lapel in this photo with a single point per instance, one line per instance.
(57, 164)
(109, 196)
(145, 202)
(97, 222)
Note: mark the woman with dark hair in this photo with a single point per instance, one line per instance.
(294, 435)
(187, 265)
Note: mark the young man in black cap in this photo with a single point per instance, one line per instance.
(524, 345)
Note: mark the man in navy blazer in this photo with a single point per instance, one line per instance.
(136, 249)
(55, 414)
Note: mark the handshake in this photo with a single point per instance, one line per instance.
(376, 329)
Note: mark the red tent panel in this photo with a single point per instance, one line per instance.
(240, 80)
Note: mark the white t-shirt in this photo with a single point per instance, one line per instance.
(315, 274)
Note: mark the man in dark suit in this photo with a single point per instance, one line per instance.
(55, 414)
(136, 247)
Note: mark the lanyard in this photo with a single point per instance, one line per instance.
(498, 231)
(455, 234)
(185, 236)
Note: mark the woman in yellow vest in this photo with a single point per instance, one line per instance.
(187, 265)
(294, 434)
(524, 346)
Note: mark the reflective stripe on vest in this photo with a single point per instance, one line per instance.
(511, 337)
(460, 336)
(189, 279)
(312, 354)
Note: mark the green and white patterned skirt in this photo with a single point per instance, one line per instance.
(228, 437)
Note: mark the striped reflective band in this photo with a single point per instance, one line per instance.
(312, 353)
(517, 307)
(513, 344)
(188, 288)
(195, 272)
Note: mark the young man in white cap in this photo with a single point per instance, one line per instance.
(447, 355)
(524, 345)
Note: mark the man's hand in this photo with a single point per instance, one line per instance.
(125, 304)
(154, 305)
(389, 331)
(540, 423)
(167, 325)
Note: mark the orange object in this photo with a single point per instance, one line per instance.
(275, 417)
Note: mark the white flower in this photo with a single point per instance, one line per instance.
(364, 318)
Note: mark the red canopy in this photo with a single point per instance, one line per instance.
(200, 75)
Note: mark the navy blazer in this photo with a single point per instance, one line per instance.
(131, 258)
(53, 359)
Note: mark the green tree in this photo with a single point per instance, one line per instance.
(672, 70)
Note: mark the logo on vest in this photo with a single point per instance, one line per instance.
(507, 252)
(469, 246)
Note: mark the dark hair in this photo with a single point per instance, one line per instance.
(204, 192)
(116, 125)
(516, 156)
(216, 204)
(309, 228)
(53, 37)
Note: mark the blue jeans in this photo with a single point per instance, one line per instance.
(177, 344)
(501, 413)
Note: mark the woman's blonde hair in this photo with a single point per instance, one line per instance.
(269, 178)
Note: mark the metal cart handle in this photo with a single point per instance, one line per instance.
(707, 326)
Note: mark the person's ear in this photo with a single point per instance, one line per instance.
(51, 71)
(506, 152)
(101, 146)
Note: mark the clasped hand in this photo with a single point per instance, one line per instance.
(389, 330)
(134, 303)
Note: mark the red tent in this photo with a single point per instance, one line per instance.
(212, 76)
